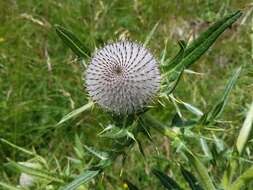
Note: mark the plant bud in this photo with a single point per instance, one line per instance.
(123, 77)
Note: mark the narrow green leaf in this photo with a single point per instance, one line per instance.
(243, 179)
(202, 172)
(155, 124)
(192, 109)
(218, 108)
(166, 181)
(177, 59)
(207, 38)
(78, 147)
(205, 148)
(41, 174)
(149, 36)
(82, 179)
(173, 81)
(245, 131)
(229, 173)
(191, 180)
(175, 70)
(101, 155)
(8, 187)
(76, 112)
(72, 42)
(38, 157)
(17, 147)
(114, 133)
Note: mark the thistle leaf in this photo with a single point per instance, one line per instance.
(198, 47)
(72, 42)
(82, 179)
(188, 54)
(101, 155)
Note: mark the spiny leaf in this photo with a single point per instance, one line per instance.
(72, 42)
(197, 48)
(202, 172)
(178, 58)
(189, 54)
(166, 181)
(82, 179)
(173, 81)
(245, 130)
(101, 155)
(76, 112)
(175, 72)
(192, 181)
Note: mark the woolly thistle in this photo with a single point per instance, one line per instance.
(123, 77)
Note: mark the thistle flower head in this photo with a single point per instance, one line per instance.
(123, 77)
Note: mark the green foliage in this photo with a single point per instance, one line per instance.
(167, 182)
(83, 178)
(71, 41)
(245, 130)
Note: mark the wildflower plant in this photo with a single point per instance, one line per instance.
(123, 77)
(126, 80)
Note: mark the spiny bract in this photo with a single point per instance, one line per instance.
(123, 77)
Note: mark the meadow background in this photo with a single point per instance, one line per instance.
(41, 79)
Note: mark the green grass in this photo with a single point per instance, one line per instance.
(41, 80)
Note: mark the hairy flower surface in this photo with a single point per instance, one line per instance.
(123, 77)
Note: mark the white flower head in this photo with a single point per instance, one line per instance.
(123, 77)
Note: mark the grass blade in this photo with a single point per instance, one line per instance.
(149, 36)
(72, 42)
(166, 181)
(34, 172)
(83, 178)
(245, 131)
(76, 112)
(218, 108)
(9, 187)
(202, 172)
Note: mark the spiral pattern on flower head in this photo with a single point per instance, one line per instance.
(123, 77)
